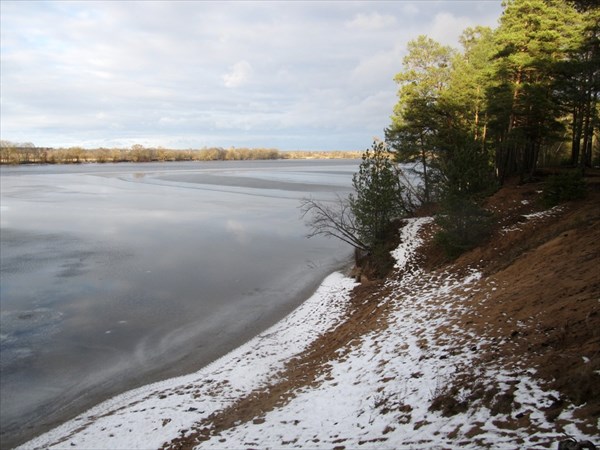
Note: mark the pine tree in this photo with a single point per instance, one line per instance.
(378, 198)
(578, 84)
(415, 122)
(363, 219)
(464, 160)
(524, 112)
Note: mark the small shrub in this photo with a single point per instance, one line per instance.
(563, 187)
(463, 225)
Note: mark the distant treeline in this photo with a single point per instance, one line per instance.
(15, 153)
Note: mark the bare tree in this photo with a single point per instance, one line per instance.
(333, 219)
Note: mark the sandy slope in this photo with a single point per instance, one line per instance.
(500, 349)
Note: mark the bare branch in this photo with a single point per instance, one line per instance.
(412, 195)
(332, 220)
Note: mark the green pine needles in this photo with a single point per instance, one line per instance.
(378, 197)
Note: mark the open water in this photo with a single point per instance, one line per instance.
(116, 275)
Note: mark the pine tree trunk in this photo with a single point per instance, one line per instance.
(576, 139)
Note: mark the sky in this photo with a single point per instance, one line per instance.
(290, 75)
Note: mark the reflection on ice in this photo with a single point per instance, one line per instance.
(20, 330)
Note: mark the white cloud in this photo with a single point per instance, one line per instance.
(447, 28)
(371, 21)
(238, 75)
(410, 9)
(376, 70)
(294, 75)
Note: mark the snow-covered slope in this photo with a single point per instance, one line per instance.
(412, 381)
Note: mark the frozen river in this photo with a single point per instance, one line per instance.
(113, 276)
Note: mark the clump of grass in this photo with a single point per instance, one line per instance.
(448, 399)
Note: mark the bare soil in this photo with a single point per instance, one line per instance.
(542, 310)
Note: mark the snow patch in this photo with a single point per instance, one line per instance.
(410, 240)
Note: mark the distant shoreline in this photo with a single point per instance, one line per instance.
(20, 155)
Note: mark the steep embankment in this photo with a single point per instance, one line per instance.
(499, 349)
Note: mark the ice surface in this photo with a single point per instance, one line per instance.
(142, 280)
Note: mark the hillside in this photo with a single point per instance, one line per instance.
(498, 349)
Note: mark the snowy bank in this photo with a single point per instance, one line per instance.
(389, 389)
(415, 379)
(151, 415)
